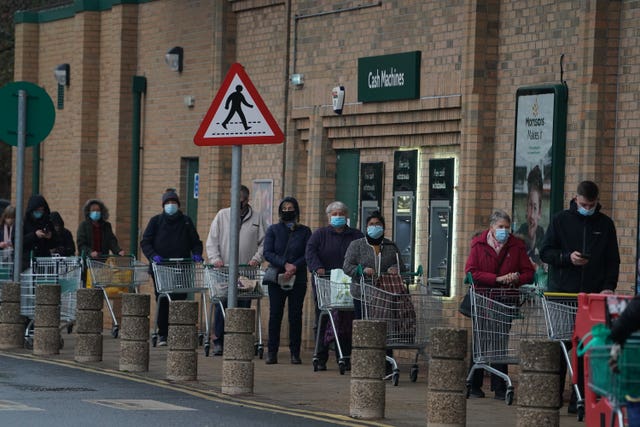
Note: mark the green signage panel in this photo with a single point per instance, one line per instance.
(41, 113)
(389, 77)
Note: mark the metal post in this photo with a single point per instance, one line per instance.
(22, 133)
(236, 171)
(139, 88)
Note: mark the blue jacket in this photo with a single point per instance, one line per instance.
(282, 246)
(326, 247)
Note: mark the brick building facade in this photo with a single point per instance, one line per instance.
(474, 56)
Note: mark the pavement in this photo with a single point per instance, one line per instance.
(298, 389)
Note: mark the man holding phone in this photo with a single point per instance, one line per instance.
(581, 248)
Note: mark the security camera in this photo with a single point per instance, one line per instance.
(337, 94)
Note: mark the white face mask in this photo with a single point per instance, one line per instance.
(170, 208)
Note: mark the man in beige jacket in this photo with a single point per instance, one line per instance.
(252, 230)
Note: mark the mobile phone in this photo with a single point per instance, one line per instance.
(585, 256)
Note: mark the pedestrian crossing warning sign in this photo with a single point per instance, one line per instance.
(238, 115)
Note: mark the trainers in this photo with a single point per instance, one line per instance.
(162, 341)
(217, 349)
(322, 366)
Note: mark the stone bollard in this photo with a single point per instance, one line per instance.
(367, 395)
(88, 325)
(182, 359)
(11, 322)
(539, 383)
(239, 350)
(446, 386)
(46, 320)
(134, 333)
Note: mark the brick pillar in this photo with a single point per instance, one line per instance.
(11, 322)
(539, 383)
(46, 320)
(446, 389)
(237, 363)
(134, 335)
(367, 400)
(182, 359)
(88, 325)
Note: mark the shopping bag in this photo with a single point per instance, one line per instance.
(397, 306)
(340, 288)
(270, 275)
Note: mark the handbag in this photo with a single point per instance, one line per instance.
(465, 305)
(270, 275)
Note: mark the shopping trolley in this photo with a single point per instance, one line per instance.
(410, 310)
(249, 288)
(64, 271)
(6, 267)
(560, 317)
(332, 296)
(617, 386)
(119, 272)
(501, 318)
(179, 276)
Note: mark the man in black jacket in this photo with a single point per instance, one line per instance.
(170, 234)
(581, 248)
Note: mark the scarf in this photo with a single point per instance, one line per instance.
(491, 241)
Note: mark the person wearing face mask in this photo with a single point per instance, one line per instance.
(37, 230)
(497, 259)
(375, 254)
(326, 249)
(250, 243)
(170, 234)
(284, 247)
(581, 248)
(95, 237)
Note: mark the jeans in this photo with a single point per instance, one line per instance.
(277, 299)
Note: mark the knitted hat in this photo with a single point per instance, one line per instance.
(170, 195)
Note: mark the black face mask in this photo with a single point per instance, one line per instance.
(288, 216)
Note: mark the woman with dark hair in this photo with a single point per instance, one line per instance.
(284, 248)
(62, 239)
(374, 253)
(95, 236)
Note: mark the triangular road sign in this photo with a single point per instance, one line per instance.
(238, 115)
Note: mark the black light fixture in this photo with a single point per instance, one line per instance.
(62, 73)
(174, 58)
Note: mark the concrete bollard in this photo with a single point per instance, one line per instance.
(237, 362)
(88, 325)
(538, 395)
(46, 320)
(11, 322)
(367, 395)
(182, 359)
(446, 389)
(134, 333)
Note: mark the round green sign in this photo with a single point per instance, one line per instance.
(41, 113)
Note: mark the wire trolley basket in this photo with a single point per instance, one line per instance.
(501, 318)
(6, 267)
(409, 309)
(123, 273)
(249, 287)
(179, 276)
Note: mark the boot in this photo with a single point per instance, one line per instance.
(272, 358)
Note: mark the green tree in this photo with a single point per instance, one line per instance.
(7, 51)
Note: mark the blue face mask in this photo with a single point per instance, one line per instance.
(375, 231)
(95, 215)
(502, 234)
(338, 221)
(38, 214)
(586, 212)
(170, 208)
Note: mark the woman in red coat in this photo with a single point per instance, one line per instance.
(497, 260)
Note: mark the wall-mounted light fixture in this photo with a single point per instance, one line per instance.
(62, 73)
(297, 79)
(174, 58)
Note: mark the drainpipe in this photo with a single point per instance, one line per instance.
(139, 88)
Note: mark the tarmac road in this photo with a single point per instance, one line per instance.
(41, 393)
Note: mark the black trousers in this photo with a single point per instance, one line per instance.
(163, 309)
(219, 319)
(277, 299)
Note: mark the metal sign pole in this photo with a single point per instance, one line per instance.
(22, 127)
(236, 171)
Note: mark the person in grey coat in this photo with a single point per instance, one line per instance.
(375, 253)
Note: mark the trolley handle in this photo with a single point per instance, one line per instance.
(159, 260)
